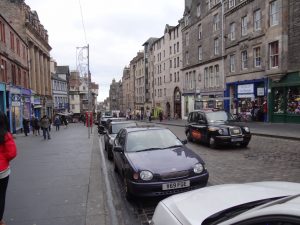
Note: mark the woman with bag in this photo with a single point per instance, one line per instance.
(8, 151)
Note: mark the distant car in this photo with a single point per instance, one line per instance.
(111, 132)
(216, 128)
(260, 203)
(105, 121)
(152, 161)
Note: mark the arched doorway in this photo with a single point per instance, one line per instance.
(177, 103)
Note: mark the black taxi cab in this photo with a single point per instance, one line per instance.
(216, 128)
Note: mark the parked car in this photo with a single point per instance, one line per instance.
(111, 132)
(260, 203)
(152, 161)
(216, 127)
(106, 121)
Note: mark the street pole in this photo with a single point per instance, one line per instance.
(88, 83)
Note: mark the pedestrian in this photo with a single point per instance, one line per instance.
(32, 125)
(45, 126)
(8, 151)
(160, 116)
(37, 126)
(50, 123)
(265, 110)
(26, 126)
(57, 122)
(64, 121)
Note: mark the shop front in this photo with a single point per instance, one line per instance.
(36, 106)
(15, 109)
(2, 97)
(245, 98)
(188, 101)
(210, 101)
(284, 99)
(26, 95)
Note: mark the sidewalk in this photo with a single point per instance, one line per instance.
(276, 130)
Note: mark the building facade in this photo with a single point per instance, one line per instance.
(166, 79)
(60, 89)
(128, 91)
(202, 42)
(14, 76)
(27, 24)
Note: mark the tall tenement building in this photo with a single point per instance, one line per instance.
(27, 24)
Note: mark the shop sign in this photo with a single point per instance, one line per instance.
(27, 99)
(246, 96)
(15, 104)
(260, 91)
(37, 100)
(245, 88)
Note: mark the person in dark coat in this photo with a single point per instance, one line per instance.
(57, 122)
(26, 126)
(37, 126)
(160, 116)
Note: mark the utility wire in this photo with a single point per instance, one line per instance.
(82, 22)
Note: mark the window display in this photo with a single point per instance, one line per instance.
(293, 100)
(278, 101)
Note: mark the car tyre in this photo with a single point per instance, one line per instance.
(244, 145)
(109, 155)
(128, 195)
(115, 167)
(189, 136)
(212, 143)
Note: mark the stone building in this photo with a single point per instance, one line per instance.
(262, 58)
(148, 75)
(165, 70)
(14, 76)
(202, 69)
(114, 96)
(137, 71)
(60, 89)
(27, 24)
(128, 91)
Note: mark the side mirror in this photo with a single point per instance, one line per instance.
(201, 122)
(101, 129)
(118, 149)
(184, 142)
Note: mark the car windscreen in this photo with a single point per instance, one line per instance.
(151, 139)
(219, 116)
(115, 128)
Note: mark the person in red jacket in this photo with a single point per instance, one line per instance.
(8, 151)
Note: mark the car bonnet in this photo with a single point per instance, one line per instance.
(194, 207)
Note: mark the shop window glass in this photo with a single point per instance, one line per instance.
(293, 100)
(278, 101)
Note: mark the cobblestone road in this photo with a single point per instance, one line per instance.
(264, 159)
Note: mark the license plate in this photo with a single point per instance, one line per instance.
(176, 185)
(236, 139)
(236, 131)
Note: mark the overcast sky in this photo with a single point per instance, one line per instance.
(115, 31)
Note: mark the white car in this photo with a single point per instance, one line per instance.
(260, 203)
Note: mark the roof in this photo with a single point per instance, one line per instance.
(122, 121)
(150, 41)
(56, 77)
(144, 128)
(62, 70)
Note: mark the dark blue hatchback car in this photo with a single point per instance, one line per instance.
(152, 161)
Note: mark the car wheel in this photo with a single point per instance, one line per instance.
(212, 142)
(189, 136)
(115, 167)
(244, 145)
(128, 195)
(109, 154)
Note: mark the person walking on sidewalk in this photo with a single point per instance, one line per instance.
(8, 151)
(26, 126)
(37, 126)
(265, 110)
(160, 116)
(57, 122)
(45, 126)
